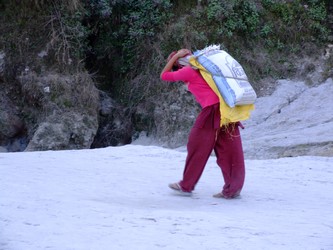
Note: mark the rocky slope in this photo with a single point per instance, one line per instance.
(295, 120)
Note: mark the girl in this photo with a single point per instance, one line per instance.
(206, 134)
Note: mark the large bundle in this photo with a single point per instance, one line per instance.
(227, 79)
(228, 75)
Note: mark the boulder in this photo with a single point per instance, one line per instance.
(174, 117)
(62, 109)
(295, 120)
(11, 125)
(69, 130)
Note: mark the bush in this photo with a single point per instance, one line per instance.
(124, 43)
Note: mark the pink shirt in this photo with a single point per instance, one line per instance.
(204, 95)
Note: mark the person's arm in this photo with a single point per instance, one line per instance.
(171, 62)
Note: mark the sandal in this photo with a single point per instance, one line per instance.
(221, 195)
(176, 187)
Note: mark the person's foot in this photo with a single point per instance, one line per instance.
(221, 195)
(176, 187)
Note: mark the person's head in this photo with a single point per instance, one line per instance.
(181, 62)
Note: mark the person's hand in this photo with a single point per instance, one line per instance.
(180, 53)
(183, 52)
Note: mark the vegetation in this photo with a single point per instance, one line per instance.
(123, 43)
(129, 40)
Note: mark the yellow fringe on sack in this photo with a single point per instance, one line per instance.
(228, 115)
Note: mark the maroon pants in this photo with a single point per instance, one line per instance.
(206, 136)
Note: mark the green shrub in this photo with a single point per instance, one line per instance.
(120, 28)
(232, 17)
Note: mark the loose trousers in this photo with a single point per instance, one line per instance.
(206, 136)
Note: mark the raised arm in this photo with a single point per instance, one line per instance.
(180, 53)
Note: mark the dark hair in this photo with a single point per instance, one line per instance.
(175, 67)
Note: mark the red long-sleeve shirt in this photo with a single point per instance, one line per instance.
(203, 94)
